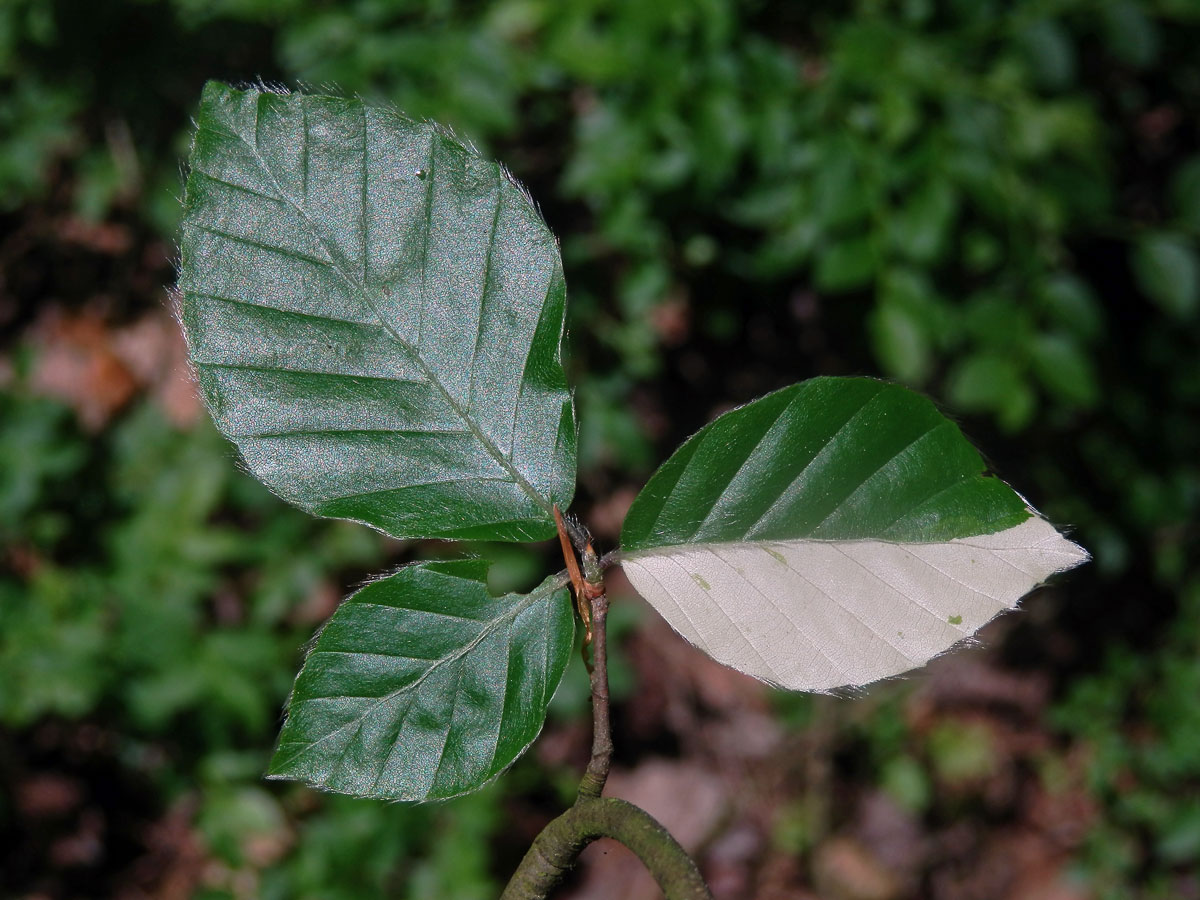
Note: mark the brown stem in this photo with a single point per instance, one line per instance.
(555, 850)
(592, 784)
(577, 582)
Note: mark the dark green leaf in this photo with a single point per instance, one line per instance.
(842, 196)
(830, 458)
(900, 343)
(423, 686)
(375, 316)
(992, 382)
(1185, 192)
(1050, 53)
(846, 265)
(1168, 271)
(1065, 370)
(1071, 304)
(919, 229)
(1130, 33)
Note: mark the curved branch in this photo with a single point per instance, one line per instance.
(556, 849)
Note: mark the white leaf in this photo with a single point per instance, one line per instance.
(815, 615)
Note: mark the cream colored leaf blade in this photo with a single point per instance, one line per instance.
(817, 615)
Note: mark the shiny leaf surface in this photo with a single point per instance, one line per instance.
(423, 686)
(375, 316)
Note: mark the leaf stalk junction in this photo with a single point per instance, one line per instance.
(556, 849)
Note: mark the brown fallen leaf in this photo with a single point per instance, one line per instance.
(98, 369)
(77, 363)
(154, 350)
(846, 870)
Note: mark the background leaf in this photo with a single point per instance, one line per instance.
(423, 686)
(1065, 369)
(992, 381)
(375, 315)
(1167, 270)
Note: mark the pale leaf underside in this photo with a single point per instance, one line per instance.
(818, 615)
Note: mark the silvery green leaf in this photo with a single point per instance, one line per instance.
(375, 316)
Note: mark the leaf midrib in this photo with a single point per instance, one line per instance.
(340, 264)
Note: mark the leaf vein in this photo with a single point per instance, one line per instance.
(245, 189)
(250, 242)
(449, 727)
(372, 653)
(343, 271)
(273, 370)
(512, 431)
(911, 598)
(879, 471)
(808, 465)
(750, 455)
(944, 573)
(504, 699)
(487, 281)
(782, 610)
(518, 608)
(428, 231)
(461, 480)
(838, 603)
(419, 611)
(319, 432)
(732, 621)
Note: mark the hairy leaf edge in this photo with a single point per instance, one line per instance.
(467, 568)
(176, 297)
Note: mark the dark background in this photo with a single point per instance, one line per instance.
(995, 202)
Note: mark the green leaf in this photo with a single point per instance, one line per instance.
(1050, 53)
(847, 264)
(1130, 33)
(831, 459)
(1070, 304)
(1168, 272)
(423, 686)
(1065, 370)
(1185, 192)
(900, 342)
(831, 534)
(993, 382)
(919, 229)
(375, 316)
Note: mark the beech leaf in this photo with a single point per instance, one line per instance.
(423, 686)
(375, 315)
(831, 534)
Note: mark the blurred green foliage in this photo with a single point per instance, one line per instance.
(997, 202)
(171, 611)
(1145, 780)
